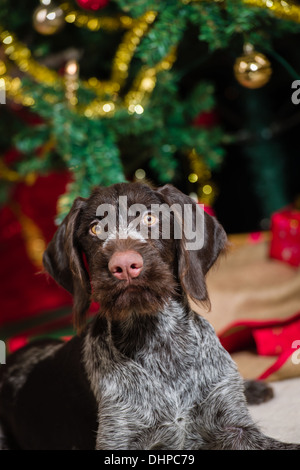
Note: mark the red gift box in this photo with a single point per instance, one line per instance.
(285, 241)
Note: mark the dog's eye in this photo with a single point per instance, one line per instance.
(149, 219)
(95, 229)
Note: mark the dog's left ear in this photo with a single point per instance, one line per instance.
(63, 261)
(193, 264)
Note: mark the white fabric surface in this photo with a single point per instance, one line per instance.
(280, 417)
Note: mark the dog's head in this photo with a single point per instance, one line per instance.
(133, 248)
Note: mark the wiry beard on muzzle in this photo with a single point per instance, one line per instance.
(145, 295)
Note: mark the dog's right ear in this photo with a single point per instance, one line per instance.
(63, 261)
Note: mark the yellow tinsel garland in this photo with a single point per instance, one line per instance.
(12, 176)
(94, 23)
(135, 98)
(142, 87)
(280, 8)
(283, 9)
(34, 240)
(201, 175)
(21, 56)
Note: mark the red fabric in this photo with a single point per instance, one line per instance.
(11, 156)
(209, 210)
(17, 343)
(285, 243)
(264, 334)
(25, 114)
(270, 338)
(60, 327)
(272, 341)
(92, 4)
(24, 291)
(237, 337)
(206, 119)
(19, 340)
(276, 366)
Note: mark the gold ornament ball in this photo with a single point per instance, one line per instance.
(48, 19)
(252, 70)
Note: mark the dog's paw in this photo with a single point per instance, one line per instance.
(257, 392)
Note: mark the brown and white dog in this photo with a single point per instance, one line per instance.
(147, 372)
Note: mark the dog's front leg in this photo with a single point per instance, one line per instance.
(227, 423)
(245, 438)
(119, 429)
(112, 435)
(125, 415)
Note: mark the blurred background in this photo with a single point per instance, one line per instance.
(193, 93)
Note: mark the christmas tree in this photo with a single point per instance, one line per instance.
(171, 91)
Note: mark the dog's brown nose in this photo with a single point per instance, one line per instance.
(126, 265)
